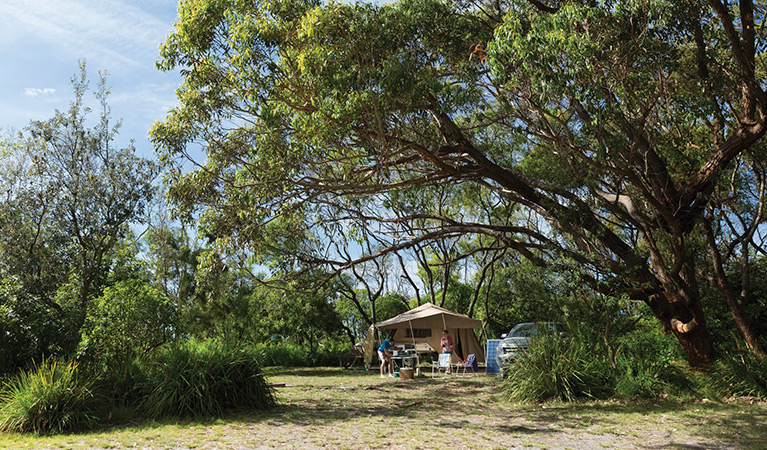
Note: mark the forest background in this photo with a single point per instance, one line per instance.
(601, 165)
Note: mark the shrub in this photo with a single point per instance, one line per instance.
(647, 364)
(740, 373)
(286, 354)
(121, 383)
(52, 397)
(283, 354)
(129, 319)
(557, 368)
(202, 379)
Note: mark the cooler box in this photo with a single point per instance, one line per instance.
(491, 352)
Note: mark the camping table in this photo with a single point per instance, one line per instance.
(406, 360)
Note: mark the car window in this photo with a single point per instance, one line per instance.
(524, 331)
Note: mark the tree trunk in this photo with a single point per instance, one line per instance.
(720, 281)
(688, 324)
(697, 346)
(741, 321)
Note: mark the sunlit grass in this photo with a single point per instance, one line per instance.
(351, 409)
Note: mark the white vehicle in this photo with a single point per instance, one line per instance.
(519, 338)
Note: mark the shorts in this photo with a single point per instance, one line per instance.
(382, 356)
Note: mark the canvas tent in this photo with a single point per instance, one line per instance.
(425, 324)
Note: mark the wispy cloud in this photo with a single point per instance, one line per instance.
(108, 30)
(34, 92)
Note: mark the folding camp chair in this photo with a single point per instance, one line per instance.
(471, 362)
(442, 364)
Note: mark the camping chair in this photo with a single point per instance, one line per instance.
(471, 361)
(442, 364)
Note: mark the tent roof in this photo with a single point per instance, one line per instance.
(430, 315)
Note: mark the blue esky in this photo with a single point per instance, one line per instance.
(41, 42)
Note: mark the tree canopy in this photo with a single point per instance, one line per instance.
(69, 196)
(623, 136)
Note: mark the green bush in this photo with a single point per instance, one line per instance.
(287, 354)
(129, 319)
(740, 373)
(648, 364)
(202, 379)
(52, 397)
(556, 368)
(640, 362)
(121, 383)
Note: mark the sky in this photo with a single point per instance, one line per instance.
(41, 42)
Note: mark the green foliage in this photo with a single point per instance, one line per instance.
(287, 354)
(308, 317)
(203, 379)
(129, 319)
(557, 368)
(609, 351)
(720, 321)
(522, 292)
(29, 327)
(648, 364)
(70, 197)
(51, 397)
(740, 373)
(390, 305)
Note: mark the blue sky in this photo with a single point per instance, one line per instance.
(41, 42)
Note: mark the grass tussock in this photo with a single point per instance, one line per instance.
(638, 363)
(740, 373)
(203, 380)
(561, 369)
(51, 397)
(286, 354)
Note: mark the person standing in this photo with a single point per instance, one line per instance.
(384, 354)
(447, 346)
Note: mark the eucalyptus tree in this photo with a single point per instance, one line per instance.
(73, 197)
(608, 132)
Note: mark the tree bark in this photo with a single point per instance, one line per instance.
(720, 281)
(684, 318)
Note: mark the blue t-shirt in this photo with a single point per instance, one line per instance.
(385, 345)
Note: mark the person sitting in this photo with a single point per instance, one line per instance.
(385, 354)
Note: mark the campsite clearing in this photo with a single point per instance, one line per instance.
(353, 409)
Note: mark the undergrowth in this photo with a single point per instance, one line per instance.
(51, 397)
(203, 379)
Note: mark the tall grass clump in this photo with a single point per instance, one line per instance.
(740, 373)
(51, 397)
(648, 364)
(556, 368)
(122, 384)
(287, 354)
(203, 379)
(280, 354)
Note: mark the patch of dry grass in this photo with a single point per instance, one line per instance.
(352, 409)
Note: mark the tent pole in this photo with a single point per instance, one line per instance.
(412, 336)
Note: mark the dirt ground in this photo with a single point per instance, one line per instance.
(355, 409)
(363, 411)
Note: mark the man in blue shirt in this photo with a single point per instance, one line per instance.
(384, 354)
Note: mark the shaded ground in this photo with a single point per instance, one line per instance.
(332, 408)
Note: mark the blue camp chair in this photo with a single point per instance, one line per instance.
(471, 361)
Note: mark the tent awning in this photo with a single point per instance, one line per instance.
(430, 315)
